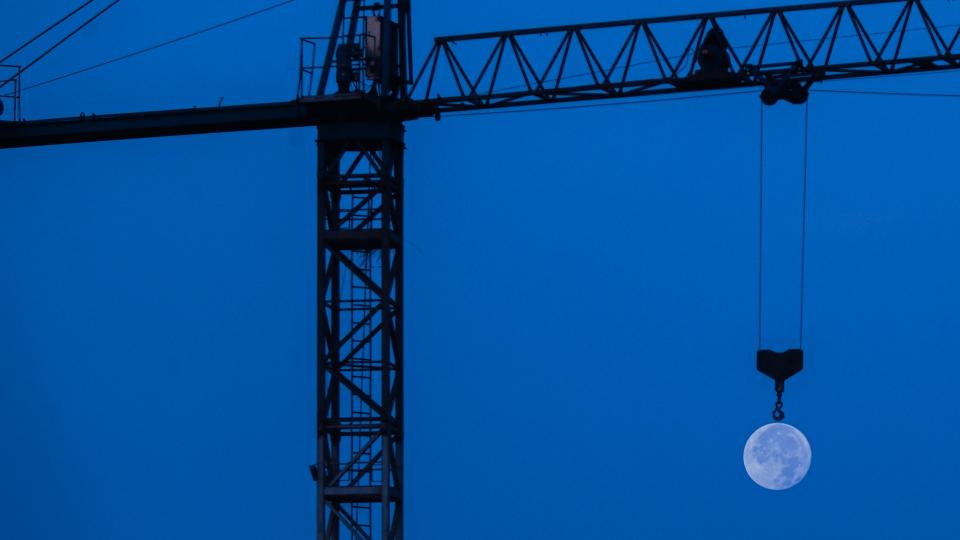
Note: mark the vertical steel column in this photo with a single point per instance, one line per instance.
(360, 299)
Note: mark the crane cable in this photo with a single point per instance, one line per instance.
(803, 226)
(162, 44)
(760, 241)
(61, 42)
(45, 31)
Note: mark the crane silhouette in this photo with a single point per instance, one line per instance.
(359, 86)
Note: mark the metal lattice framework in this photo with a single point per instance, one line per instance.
(662, 55)
(360, 399)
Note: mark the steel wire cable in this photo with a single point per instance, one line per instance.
(803, 225)
(59, 43)
(160, 45)
(803, 228)
(760, 239)
(45, 31)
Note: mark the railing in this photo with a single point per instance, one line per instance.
(349, 71)
(10, 99)
(310, 71)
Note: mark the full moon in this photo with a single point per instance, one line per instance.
(777, 456)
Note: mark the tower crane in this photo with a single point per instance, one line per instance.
(359, 86)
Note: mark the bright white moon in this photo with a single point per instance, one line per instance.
(777, 456)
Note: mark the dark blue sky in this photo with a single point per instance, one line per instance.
(581, 302)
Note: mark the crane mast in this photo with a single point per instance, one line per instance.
(358, 86)
(359, 468)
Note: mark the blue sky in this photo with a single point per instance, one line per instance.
(581, 302)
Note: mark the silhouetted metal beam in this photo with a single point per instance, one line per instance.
(783, 49)
(512, 73)
(329, 110)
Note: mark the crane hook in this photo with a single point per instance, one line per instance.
(779, 366)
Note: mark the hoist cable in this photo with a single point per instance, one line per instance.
(803, 224)
(43, 33)
(760, 243)
(803, 230)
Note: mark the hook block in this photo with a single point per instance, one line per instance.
(780, 366)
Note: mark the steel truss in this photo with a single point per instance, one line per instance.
(662, 55)
(360, 296)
